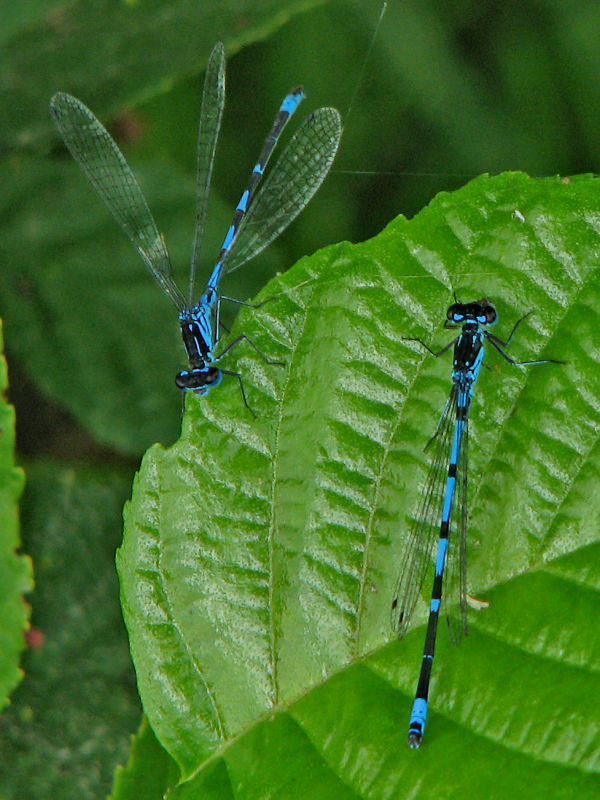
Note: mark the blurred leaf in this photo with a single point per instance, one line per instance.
(69, 723)
(15, 570)
(112, 53)
(260, 556)
(450, 90)
(17, 17)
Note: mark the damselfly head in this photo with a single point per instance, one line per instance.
(481, 312)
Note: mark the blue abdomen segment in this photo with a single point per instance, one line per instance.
(416, 726)
(292, 100)
(243, 203)
(441, 556)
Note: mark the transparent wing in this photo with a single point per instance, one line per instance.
(295, 178)
(211, 114)
(426, 528)
(104, 165)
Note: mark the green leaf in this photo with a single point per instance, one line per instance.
(15, 570)
(68, 726)
(260, 556)
(149, 772)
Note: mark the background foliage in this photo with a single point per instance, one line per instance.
(449, 92)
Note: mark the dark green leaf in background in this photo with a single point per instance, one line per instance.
(72, 715)
(116, 51)
(260, 557)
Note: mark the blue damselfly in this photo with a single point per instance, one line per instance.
(257, 220)
(446, 487)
